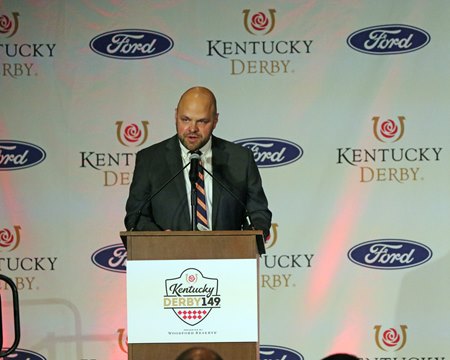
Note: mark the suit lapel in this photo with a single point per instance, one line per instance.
(174, 163)
(219, 164)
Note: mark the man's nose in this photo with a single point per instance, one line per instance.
(193, 126)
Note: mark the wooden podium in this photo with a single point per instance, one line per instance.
(194, 245)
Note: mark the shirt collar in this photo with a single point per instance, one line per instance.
(205, 149)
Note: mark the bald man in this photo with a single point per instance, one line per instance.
(198, 353)
(230, 164)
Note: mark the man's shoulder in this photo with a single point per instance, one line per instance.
(160, 146)
(219, 143)
(225, 151)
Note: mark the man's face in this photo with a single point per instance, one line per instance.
(195, 120)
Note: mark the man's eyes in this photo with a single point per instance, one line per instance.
(202, 121)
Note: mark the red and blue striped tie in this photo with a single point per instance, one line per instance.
(202, 215)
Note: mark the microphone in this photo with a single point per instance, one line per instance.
(193, 171)
(248, 219)
(151, 196)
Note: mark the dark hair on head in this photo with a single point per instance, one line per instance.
(198, 353)
(341, 356)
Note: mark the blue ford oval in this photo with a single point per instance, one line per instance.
(390, 254)
(388, 39)
(270, 152)
(15, 155)
(270, 352)
(111, 258)
(131, 44)
(21, 354)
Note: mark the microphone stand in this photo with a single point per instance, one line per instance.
(259, 238)
(151, 196)
(247, 215)
(193, 206)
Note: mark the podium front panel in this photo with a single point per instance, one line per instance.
(192, 301)
(163, 246)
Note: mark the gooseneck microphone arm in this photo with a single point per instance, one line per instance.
(193, 206)
(248, 219)
(151, 196)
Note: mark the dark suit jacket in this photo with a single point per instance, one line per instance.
(233, 165)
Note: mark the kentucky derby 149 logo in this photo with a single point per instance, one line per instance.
(192, 296)
(390, 339)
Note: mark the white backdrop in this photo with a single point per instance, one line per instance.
(365, 125)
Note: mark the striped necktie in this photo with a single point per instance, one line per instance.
(201, 216)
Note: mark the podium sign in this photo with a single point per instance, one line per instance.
(193, 288)
(192, 301)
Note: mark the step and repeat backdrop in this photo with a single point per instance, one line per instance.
(345, 105)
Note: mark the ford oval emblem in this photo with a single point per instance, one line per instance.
(390, 254)
(131, 44)
(270, 352)
(15, 155)
(20, 354)
(269, 152)
(388, 39)
(111, 258)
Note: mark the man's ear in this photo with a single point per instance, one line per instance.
(216, 120)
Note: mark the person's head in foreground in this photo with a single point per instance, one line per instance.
(199, 353)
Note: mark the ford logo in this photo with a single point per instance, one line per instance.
(20, 354)
(15, 155)
(390, 254)
(270, 152)
(388, 39)
(111, 258)
(269, 352)
(131, 44)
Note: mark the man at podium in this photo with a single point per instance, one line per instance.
(195, 180)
